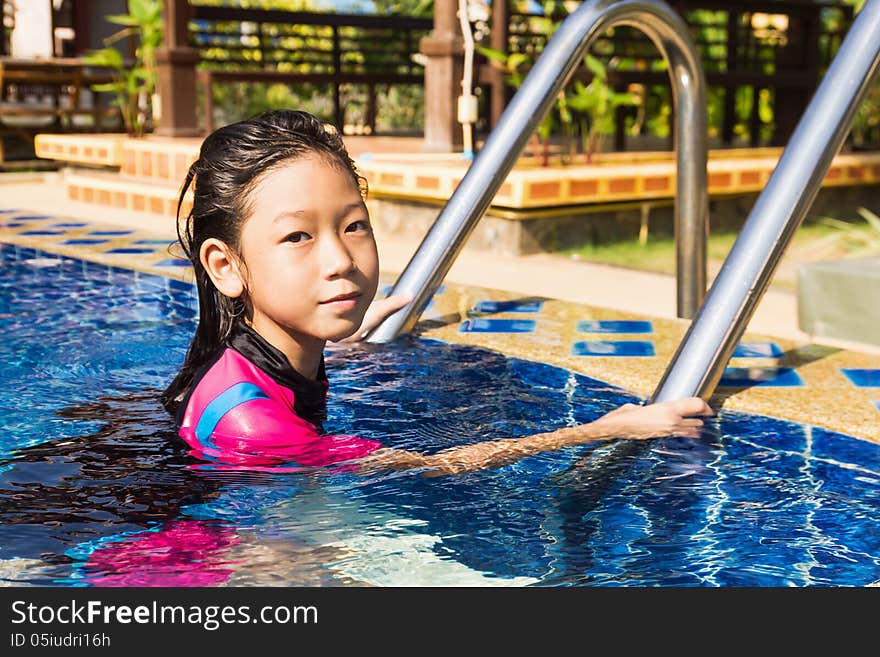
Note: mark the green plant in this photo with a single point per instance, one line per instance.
(587, 109)
(866, 125)
(515, 66)
(134, 82)
(859, 239)
(594, 106)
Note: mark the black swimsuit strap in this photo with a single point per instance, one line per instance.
(310, 395)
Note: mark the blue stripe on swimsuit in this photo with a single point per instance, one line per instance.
(221, 405)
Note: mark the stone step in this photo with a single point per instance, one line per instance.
(121, 191)
(95, 149)
(152, 159)
(420, 178)
(158, 159)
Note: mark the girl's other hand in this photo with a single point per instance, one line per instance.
(378, 311)
(671, 418)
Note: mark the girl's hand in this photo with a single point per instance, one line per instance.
(671, 418)
(376, 314)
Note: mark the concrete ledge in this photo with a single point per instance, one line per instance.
(95, 149)
(841, 299)
(114, 190)
(614, 180)
(514, 232)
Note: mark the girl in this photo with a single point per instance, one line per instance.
(284, 257)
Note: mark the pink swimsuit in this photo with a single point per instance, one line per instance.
(240, 414)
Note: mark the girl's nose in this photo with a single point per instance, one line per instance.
(336, 259)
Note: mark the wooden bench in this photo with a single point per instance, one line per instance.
(32, 90)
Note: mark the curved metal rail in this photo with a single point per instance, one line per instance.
(698, 364)
(548, 76)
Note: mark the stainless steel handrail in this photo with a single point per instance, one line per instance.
(699, 362)
(548, 76)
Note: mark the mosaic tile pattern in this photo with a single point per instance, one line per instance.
(776, 377)
(508, 306)
(497, 326)
(84, 241)
(605, 348)
(757, 350)
(129, 251)
(385, 290)
(863, 378)
(614, 326)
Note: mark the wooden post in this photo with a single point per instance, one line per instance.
(498, 41)
(338, 112)
(444, 50)
(800, 53)
(728, 114)
(370, 119)
(176, 66)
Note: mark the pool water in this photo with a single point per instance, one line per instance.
(97, 490)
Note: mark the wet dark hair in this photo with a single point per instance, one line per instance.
(231, 161)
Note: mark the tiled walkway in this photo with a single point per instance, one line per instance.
(834, 388)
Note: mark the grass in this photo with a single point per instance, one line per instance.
(814, 241)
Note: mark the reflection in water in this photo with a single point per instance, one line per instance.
(128, 476)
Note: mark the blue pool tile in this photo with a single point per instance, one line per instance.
(497, 326)
(757, 350)
(8, 211)
(614, 326)
(70, 224)
(85, 240)
(776, 377)
(637, 348)
(764, 432)
(385, 290)
(877, 405)
(12, 224)
(863, 378)
(110, 232)
(43, 232)
(180, 286)
(844, 449)
(154, 242)
(508, 306)
(173, 262)
(129, 251)
(33, 217)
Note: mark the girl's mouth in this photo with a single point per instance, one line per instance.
(342, 301)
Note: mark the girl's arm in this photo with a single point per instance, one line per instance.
(673, 418)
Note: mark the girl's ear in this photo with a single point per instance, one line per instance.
(223, 267)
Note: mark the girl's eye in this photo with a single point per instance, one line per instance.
(357, 226)
(298, 236)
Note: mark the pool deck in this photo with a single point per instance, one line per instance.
(568, 314)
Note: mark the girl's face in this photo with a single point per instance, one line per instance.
(311, 265)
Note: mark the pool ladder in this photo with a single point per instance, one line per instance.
(721, 316)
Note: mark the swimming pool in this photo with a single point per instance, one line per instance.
(96, 490)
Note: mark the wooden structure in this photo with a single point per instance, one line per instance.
(232, 44)
(45, 95)
(744, 60)
(252, 45)
(781, 46)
